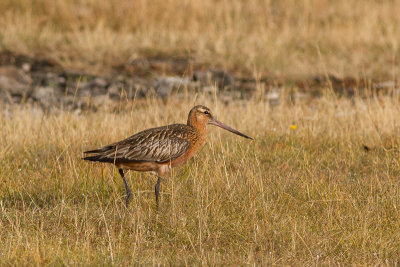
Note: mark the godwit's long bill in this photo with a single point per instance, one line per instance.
(159, 149)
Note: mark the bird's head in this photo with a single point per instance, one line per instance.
(202, 115)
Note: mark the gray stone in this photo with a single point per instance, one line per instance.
(273, 97)
(43, 93)
(164, 86)
(384, 85)
(53, 79)
(14, 81)
(114, 90)
(98, 83)
(26, 67)
(219, 77)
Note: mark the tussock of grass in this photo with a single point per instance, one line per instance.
(305, 196)
(283, 38)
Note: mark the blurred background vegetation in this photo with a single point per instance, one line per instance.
(279, 38)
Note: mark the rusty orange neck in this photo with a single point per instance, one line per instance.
(199, 125)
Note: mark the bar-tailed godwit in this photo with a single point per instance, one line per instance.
(159, 149)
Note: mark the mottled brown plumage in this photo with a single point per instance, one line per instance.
(162, 144)
(159, 149)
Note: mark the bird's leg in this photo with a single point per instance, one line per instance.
(157, 189)
(128, 190)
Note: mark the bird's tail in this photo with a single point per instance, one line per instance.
(97, 154)
(93, 158)
(99, 150)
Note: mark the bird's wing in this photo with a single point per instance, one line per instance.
(161, 144)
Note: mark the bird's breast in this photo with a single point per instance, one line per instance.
(196, 143)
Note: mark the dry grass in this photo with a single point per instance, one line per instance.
(282, 38)
(307, 196)
(299, 197)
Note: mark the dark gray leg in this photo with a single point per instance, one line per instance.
(128, 190)
(157, 189)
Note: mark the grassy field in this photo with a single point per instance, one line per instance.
(318, 185)
(304, 196)
(279, 38)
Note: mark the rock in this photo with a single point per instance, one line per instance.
(164, 86)
(52, 79)
(385, 85)
(98, 83)
(14, 81)
(44, 81)
(94, 88)
(43, 93)
(45, 96)
(219, 77)
(273, 97)
(26, 67)
(114, 90)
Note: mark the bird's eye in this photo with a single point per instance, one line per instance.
(206, 112)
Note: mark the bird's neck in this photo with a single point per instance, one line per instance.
(199, 126)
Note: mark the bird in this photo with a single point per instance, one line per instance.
(159, 149)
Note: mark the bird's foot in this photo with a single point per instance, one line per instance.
(128, 198)
(157, 190)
